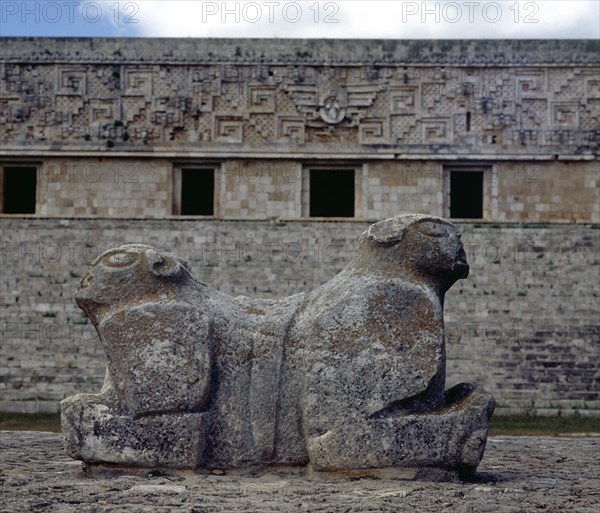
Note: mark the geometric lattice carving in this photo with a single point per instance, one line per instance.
(592, 87)
(18, 112)
(72, 82)
(228, 128)
(530, 84)
(403, 127)
(134, 109)
(565, 114)
(290, 128)
(233, 96)
(138, 83)
(436, 130)
(102, 111)
(374, 131)
(256, 100)
(261, 99)
(404, 99)
(432, 94)
(264, 128)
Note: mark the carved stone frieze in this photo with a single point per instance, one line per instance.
(407, 104)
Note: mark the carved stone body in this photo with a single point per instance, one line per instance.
(349, 376)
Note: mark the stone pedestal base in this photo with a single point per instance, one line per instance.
(451, 438)
(95, 435)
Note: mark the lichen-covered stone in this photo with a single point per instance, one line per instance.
(175, 441)
(348, 376)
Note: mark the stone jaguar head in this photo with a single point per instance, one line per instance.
(129, 274)
(426, 246)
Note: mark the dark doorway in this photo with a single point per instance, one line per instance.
(197, 192)
(19, 190)
(466, 194)
(332, 193)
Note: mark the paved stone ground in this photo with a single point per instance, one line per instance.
(517, 474)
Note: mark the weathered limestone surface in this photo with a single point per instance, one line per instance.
(517, 475)
(214, 97)
(349, 376)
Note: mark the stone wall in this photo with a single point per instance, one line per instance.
(259, 189)
(524, 324)
(85, 187)
(513, 191)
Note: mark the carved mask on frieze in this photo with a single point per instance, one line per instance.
(331, 110)
(333, 101)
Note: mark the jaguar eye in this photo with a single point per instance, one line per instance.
(120, 259)
(432, 229)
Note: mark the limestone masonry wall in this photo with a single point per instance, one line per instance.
(524, 324)
(261, 189)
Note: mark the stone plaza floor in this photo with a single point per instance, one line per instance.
(517, 474)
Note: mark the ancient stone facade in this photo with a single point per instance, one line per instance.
(112, 130)
(109, 124)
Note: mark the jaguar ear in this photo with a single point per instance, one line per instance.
(162, 264)
(387, 232)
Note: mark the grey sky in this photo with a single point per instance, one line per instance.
(392, 19)
(547, 19)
